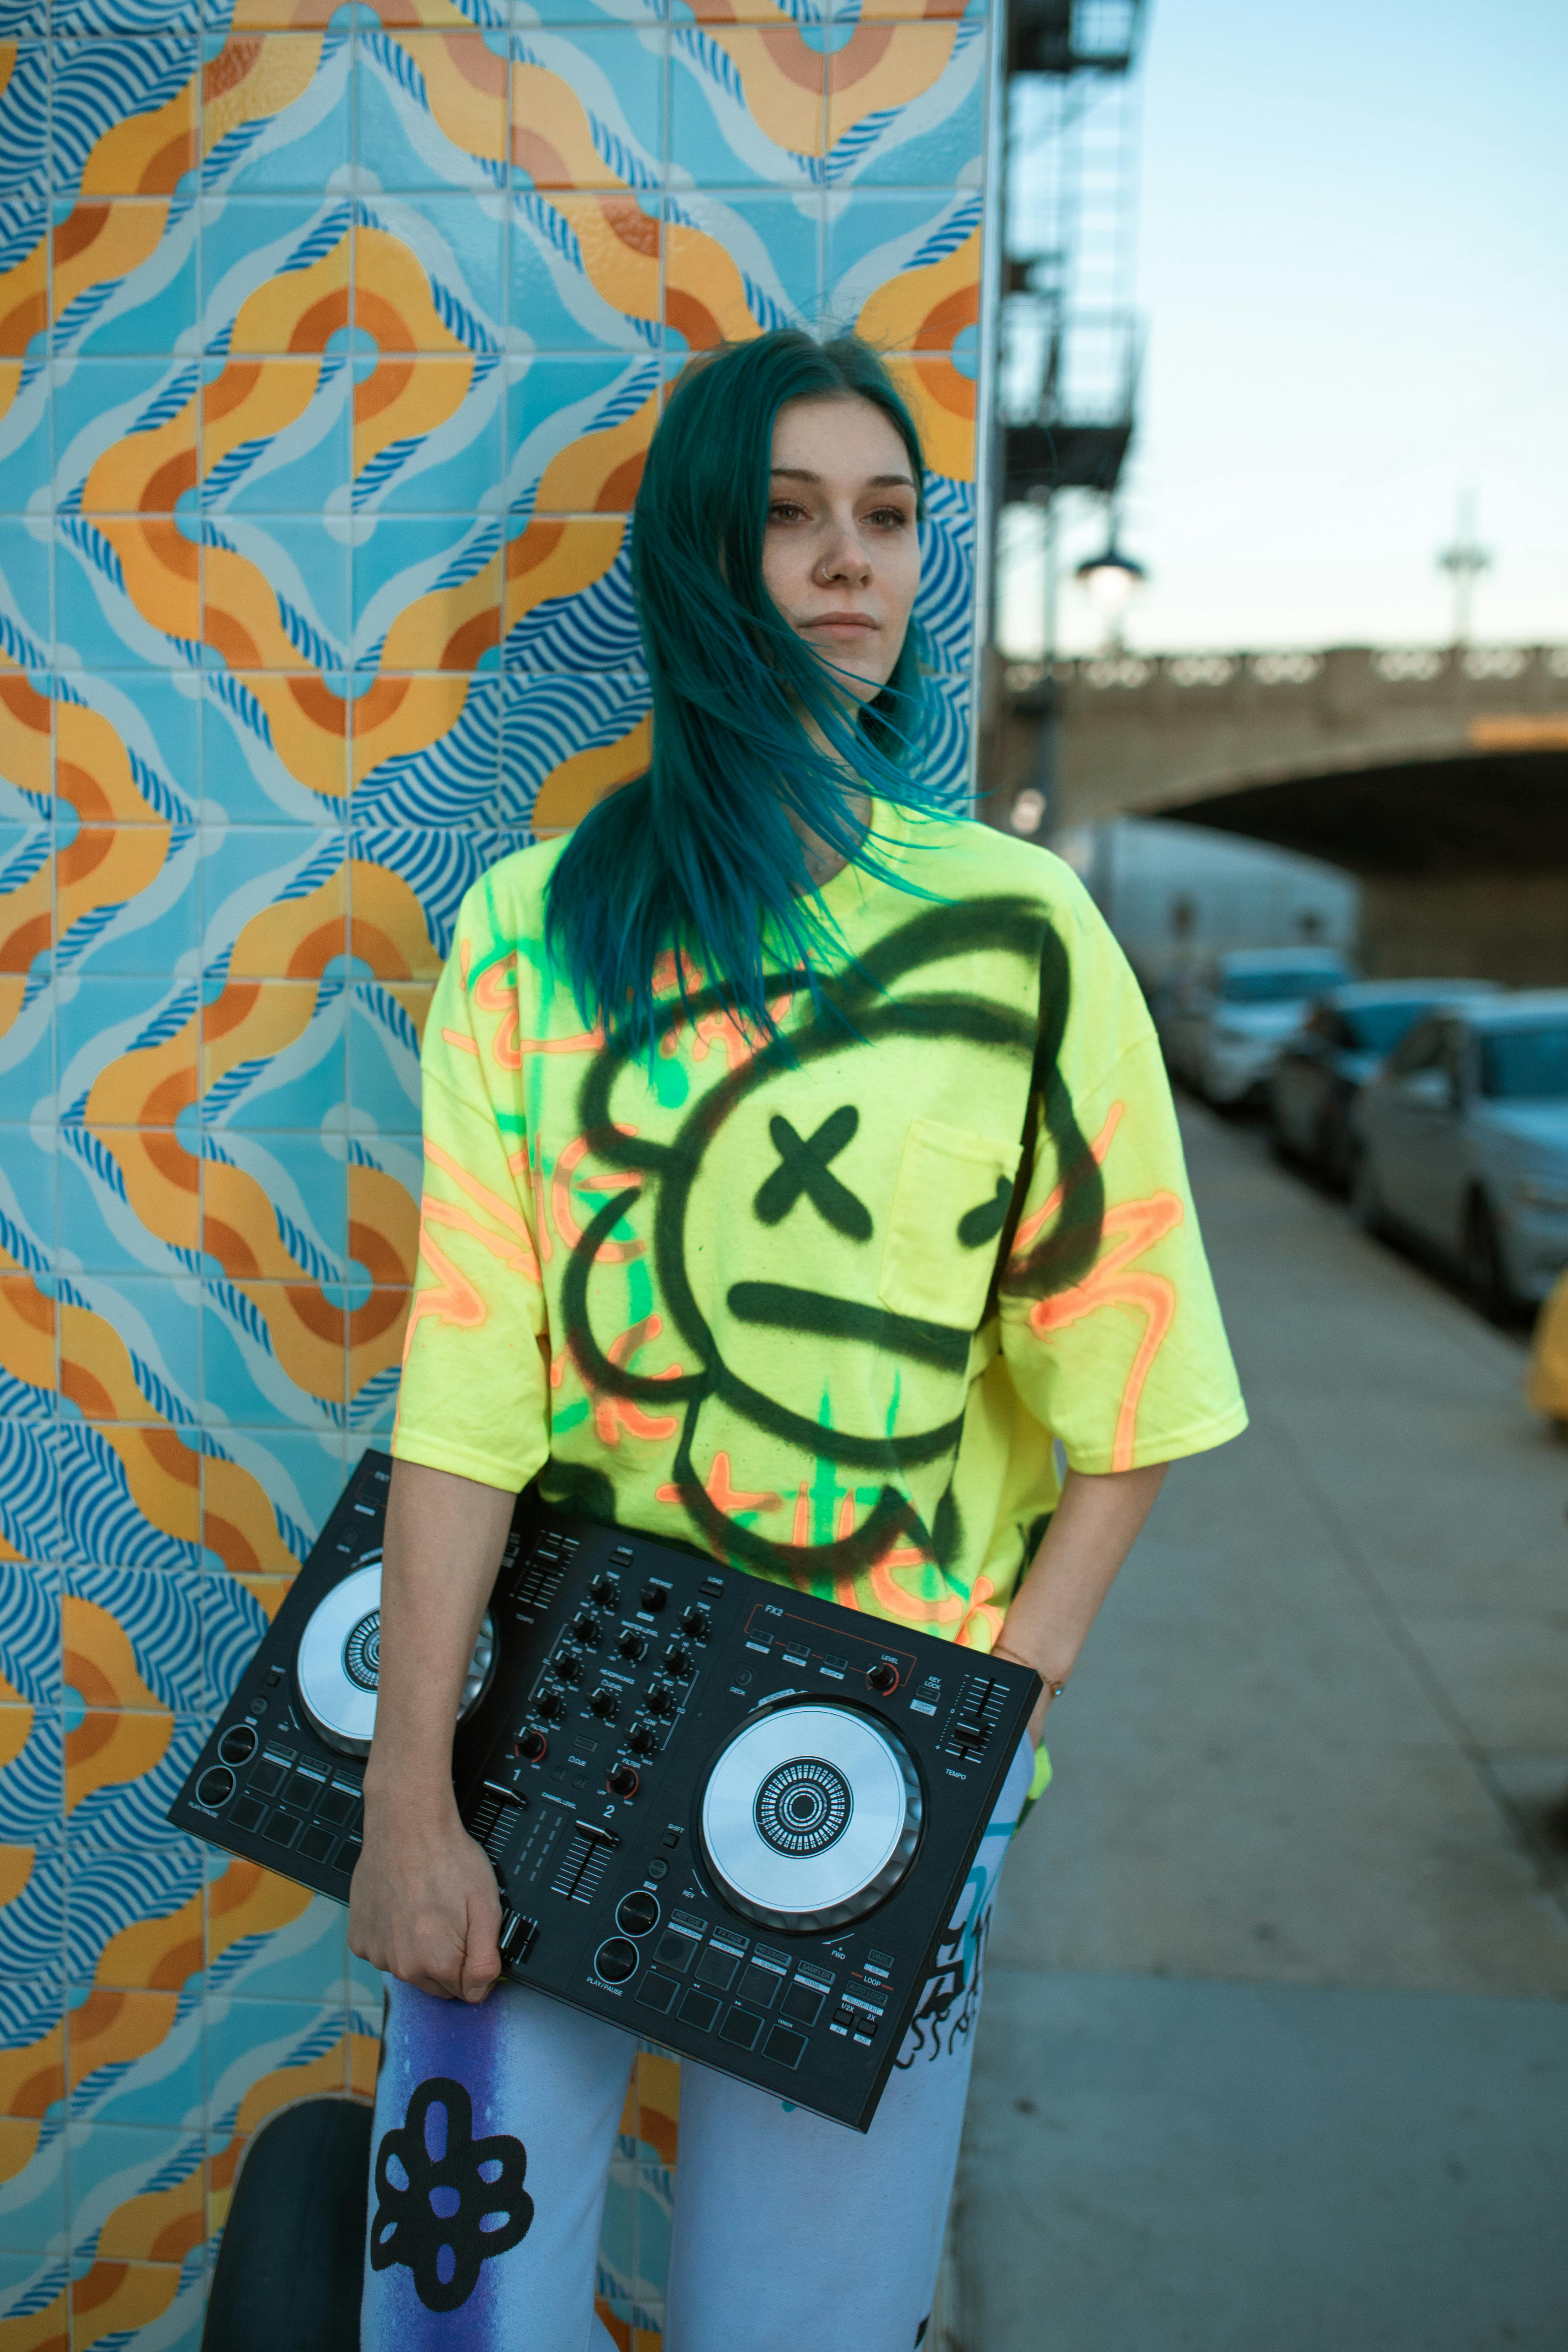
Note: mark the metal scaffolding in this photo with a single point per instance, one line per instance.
(1071, 337)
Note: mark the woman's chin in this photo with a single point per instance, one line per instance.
(856, 685)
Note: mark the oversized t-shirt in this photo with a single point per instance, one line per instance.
(834, 1314)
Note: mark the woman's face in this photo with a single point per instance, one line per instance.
(841, 557)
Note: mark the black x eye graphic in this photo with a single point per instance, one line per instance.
(981, 1226)
(803, 1168)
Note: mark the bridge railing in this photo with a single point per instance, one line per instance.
(1462, 667)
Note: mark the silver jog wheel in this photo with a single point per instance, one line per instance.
(339, 1662)
(811, 1815)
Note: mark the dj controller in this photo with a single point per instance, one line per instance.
(728, 1816)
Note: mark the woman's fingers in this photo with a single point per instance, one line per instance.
(481, 1954)
(432, 1985)
(480, 1975)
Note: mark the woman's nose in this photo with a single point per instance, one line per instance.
(844, 557)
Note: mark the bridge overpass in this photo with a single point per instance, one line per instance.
(1439, 777)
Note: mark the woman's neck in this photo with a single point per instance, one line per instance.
(822, 860)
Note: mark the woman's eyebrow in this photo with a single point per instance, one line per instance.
(873, 482)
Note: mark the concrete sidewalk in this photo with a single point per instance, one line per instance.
(1273, 2053)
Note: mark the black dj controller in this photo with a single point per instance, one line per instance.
(729, 1817)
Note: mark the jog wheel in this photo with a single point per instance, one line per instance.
(339, 1662)
(811, 1816)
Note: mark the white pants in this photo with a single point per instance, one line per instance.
(791, 2234)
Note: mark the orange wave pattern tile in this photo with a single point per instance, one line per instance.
(330, 353)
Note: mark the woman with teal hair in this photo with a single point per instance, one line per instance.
(801, 1187)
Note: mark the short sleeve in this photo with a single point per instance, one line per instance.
(1110, 1328)
(475, 1394)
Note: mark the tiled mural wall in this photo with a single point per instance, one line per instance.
(330, 341)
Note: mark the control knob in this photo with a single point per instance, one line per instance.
(696, 1620)
(532, 1745)
(654, 1595)
(606, 1701)
(568, 1665)
(587, 1629)
(642, 1738)
(882, 1678)
(678, 1660)
(550, 1703)
(622, 1780)
(633, 1644)
(605, 1590)
(660, 1700)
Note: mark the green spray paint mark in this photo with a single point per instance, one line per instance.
(824, 1485)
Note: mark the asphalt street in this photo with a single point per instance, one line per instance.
(1274, 2050)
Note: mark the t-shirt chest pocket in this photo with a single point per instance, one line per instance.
(949, 1204)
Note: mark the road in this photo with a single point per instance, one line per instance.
(1274, 2050)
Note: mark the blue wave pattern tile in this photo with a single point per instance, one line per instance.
(313, 149)
(32, 1926)
(30, 1462)
(30, 1631)
(32, 1777)
(111, 1893)
(332, 340)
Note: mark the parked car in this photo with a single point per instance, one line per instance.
(1223, 1024)
(1324, 1065)
(1463, 1141)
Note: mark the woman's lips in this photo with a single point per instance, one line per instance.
(842, 625)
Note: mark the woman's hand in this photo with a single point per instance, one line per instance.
(1036, 1726)
(423, 1905)
(1092, 1530)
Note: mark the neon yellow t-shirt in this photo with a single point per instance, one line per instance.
(822, 1317)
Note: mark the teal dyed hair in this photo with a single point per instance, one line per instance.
(699, 854)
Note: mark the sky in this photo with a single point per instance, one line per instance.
(1353, 273)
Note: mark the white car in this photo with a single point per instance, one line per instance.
(1223, 1027)
(1463, 1142)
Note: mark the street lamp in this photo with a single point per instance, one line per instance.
(1028, 811)
(1463, 563)
(1109, 579)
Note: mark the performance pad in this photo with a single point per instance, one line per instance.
(727, 1816)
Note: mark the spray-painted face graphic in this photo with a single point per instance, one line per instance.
(824, 1236)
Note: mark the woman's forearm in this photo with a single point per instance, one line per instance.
(444, 1536)
(1092, 1530)
(423, 1903)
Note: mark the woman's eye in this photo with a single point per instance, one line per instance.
(783, 511)
(893, 517)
